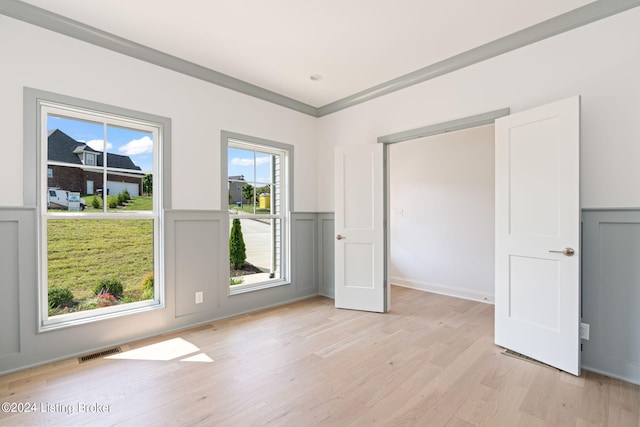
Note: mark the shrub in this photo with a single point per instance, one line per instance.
(147, 287)
(88, 304)
(122, 199)
(132, 296)
(110, 286)
(106, 299)
(125, 195)
(147, 282)
(237, 248)
(112, 202)
(60, 297)
(95, 203)
(147, 184)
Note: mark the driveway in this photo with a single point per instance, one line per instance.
(257, 238)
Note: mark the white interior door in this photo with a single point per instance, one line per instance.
(537, 216)
(359, 226)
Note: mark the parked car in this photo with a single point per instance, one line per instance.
(60, 199)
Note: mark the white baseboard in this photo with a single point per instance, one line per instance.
(437, 288)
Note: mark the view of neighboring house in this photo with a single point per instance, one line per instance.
(74, 166)
(235, 189)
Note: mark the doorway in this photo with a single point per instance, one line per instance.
(441, 213)
(362, 174)
(537, 223)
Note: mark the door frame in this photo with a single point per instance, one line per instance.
(468, 122)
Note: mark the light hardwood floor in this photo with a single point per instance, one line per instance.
(431, 361)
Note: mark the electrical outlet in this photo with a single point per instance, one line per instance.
(584, 331)
(199, 297)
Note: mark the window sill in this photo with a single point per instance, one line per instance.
(242, 289)
(73, 319)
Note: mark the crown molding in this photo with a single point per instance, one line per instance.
(576, 18)
(78, 30)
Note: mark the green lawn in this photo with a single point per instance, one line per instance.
(137, 203)
(81, 252)
(140, 203)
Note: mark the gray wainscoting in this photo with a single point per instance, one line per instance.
(196, 258)
(611, 292)
(304, 248)
(16, 225)
(197, 254)
(312, 251)
(326, 261)
(10, 268)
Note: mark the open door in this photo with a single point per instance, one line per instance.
(537, 294)
(359, 225)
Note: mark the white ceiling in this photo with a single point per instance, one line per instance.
(279, 44)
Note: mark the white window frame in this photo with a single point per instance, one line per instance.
(102, 115)
(234, 140)
(91, 156)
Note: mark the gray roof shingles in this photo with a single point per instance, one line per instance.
(63, 148)
(118, 161)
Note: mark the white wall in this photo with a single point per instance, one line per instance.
(600, 61)
(37, 58)
(442, 213)
(40, 59)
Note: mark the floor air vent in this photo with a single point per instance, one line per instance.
(99, 354)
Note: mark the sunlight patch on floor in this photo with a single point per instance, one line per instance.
(202, 357)
(165, 350)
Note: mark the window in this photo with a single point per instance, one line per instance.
(259, 188)
(100, 211)
(90, 159)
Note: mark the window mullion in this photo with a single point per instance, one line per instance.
(255, 179)
(105, 176)
(259, 216)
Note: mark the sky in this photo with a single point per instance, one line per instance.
(241, 162)
(255, 166)
(135, 144)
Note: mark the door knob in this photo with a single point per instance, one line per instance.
(565, 251)
(339, 237)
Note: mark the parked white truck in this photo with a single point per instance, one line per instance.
(63, 199)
